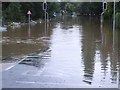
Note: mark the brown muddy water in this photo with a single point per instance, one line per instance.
(78, 52)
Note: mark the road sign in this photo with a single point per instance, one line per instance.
(29, 13)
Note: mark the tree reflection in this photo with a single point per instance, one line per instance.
(104, 41)
(88, 50)
(108, 51)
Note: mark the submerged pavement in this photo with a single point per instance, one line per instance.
(41, 72)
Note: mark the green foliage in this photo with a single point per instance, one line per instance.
(109, 12)
(62, 5)
(89, 8)
(34, 7)
(0, 10)
(13, 12)
(53, 7)
(118, 14)
(118, 19)
(17, 11)
(70, 7)
(118, 6)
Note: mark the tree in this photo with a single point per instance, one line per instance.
(109, 12)
(70, 7)
(53, 7)
(89, 8)
(13, 12)
(118, 14)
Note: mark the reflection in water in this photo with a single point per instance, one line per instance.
(88, 50)
(77, 50)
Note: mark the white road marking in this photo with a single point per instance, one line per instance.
(24, 82)
(70, 85)
(15, 64)
(9, 67)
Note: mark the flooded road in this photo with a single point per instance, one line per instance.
(72, 52)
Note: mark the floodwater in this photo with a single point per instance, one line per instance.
(70, 52)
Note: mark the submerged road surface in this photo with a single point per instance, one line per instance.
(77, 54)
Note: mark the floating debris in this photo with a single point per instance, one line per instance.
(98, 41)
(15, 25)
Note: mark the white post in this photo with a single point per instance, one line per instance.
(29, 19)
(104, 8)
(29, 13)
(29, 26)
(101, 25)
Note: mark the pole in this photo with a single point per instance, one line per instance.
(29, 13)
(103, 6)
(114, 27)
(29, 25)
(45, 22)
(101, 25)
(114, 17)
(103, 11)
(29, 19)
(44, 8)
(45, 14)
(90, 9)
(115, 43)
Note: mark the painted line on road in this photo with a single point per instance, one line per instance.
(25, 82)
(15, 64)
(9, 67)
(63, 84)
